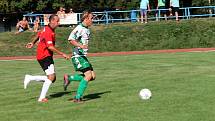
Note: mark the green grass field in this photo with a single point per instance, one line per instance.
(182, 85)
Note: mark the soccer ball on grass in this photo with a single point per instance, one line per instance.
(145, 94)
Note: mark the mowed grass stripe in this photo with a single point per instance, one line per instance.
(182, 86)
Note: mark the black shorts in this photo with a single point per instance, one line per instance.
(175, 9)
(47, 65)
(87, 69)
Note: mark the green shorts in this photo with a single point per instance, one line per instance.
(81, 64)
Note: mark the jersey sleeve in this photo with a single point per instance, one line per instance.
(49, 39)
(75, 34)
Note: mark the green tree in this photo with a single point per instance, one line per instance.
(79, 5)
(203, 2)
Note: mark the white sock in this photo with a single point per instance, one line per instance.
(45, 88)
(38, 78)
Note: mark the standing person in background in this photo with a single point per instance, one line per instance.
(79, 38)
(174, 6)
(7, 23)
(37, 24)
(45, 49)
(61, 13)
(144, 5)
(161, 5)
(71, 11)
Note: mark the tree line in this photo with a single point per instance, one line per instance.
(42, 6)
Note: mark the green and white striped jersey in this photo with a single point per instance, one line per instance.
(81, 34)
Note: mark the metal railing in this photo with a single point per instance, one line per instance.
(107, 17)
(133, 15)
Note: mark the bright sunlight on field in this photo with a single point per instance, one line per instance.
(182, 85)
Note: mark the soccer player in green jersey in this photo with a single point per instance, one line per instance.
(79, 38)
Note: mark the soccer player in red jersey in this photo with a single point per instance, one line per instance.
(45, 49)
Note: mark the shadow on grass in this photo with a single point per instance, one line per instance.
(86, 97)
(59, 94)
(94, 95)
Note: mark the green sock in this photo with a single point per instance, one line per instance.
(75, 77)
(81, 88)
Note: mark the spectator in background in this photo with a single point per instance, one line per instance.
(70, 15)
(161, 5)
(46, 19)
(71, 11)
(7, 23)
(144, 4)
(37, 24)
(22, 25)
(61, 12)
(174, 6)
(170, 11)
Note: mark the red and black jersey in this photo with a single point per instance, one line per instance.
(46, 39)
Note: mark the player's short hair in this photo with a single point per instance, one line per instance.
(85, 14)
(52, 17)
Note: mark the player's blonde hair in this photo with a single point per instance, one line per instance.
(85, 14)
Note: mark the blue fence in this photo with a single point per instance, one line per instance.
(108, 17)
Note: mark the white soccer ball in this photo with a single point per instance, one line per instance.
(145, 94)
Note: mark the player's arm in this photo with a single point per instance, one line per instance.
(149, 7)
(77, 44)
(34, 40)
(53, 49)
(18, 24)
